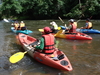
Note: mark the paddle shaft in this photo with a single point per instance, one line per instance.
(81, 16)
(62, 21)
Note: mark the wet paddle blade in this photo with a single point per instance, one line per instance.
(5, 20)
(41, 30)
(16, 57)
(59, 28)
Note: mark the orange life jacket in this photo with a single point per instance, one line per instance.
(22, 24)
(16, 25)
(48, 43)
(89, 25)
(75, 24)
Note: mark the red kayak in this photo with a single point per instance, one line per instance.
(73, 36)
(56, 60)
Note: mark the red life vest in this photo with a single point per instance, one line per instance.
(48, 43)
(73, 29)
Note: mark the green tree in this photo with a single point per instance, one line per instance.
(50, 9)
(10, 8)
(42, 8)
(84, 9)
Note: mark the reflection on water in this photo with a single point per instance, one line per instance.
(84, 55)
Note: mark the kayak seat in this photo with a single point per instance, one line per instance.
(60, 56)
(34, 43)
(30, 38)
(81, 35)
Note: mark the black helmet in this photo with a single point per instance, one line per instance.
(71, 20)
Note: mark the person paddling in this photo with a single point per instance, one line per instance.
(72, 27)
(47, 42)
(22, 26)
(16, 25)
(88, 24)
(54, 27)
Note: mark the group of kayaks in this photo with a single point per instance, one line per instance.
(71, 36)
(56, 60)
(80, 34)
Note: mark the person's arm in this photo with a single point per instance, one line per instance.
(54, 41)
(41, 46)
(70, 26)
(86, 26)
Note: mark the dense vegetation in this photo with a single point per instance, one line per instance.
(49, 9)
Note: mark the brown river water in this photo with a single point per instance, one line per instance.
(84, 55)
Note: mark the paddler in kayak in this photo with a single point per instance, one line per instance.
(47, 42)
(16, 25)
(71, 28)
(22, 26)
(88, 24)
(75, 22)
(54, 27)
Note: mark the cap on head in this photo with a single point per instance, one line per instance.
(71, 20)
(47, 29)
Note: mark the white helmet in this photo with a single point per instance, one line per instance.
(71, 20)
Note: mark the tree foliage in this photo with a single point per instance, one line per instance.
(11, 8)
(49, 9)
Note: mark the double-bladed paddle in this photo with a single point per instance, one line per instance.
(18, 56)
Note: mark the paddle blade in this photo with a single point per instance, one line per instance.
(41, 30)
(16, 57)
(59, 28)
(5, 20)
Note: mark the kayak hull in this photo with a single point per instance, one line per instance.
(21, 31)
(88, 31)
(73, 36)
(61, 62)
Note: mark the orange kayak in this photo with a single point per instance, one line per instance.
(73, 36)
(56, 60)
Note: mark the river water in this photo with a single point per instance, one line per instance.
(84, 55)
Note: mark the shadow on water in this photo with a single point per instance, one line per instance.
(84, 55)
